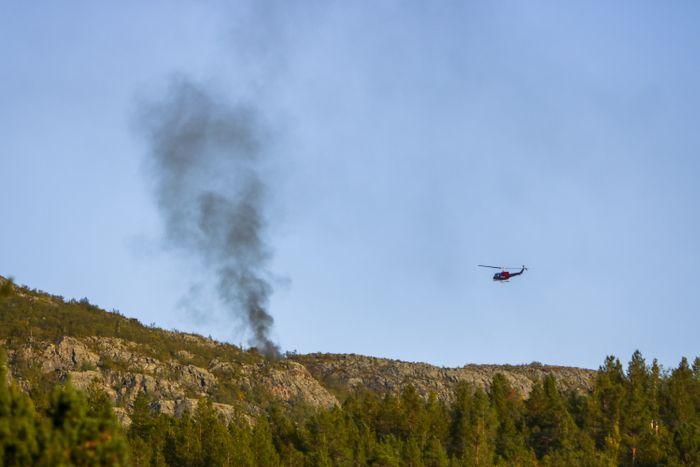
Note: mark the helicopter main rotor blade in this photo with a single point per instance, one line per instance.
(501, 267)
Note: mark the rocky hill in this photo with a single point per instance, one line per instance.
(48, 339)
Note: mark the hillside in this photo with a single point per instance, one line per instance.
(48, 339)
(147, 396)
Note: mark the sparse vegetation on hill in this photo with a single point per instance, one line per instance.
(33, 315)
(182, 399)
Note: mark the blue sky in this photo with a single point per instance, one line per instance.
(412, 141)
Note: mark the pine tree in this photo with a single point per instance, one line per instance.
(510, 443)
(142, 420)
(18, 423)
(656, 434)
(82, 431)
(412, 454)
(215, 440)
(602, 420)
(413, 419)
(242, 439)
(262, 446)
(474, 427)
(681, 414)
(636, 416)
(183, 443)
(388, 420)
(286, 437)
(438, 419)
(435, 454)
(460, 420)
(388, 452)
(549, 424)
(145, 434)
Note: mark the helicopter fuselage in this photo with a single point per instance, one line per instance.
(501, 276)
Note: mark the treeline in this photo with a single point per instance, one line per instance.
(640, 416)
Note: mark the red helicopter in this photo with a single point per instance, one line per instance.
(505, 273)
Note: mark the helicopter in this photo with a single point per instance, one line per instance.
(505, 273)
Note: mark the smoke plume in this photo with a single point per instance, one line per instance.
(206, 160)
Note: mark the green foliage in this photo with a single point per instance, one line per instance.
(6, 286)
(82, 429)
(474, 426)
(76, 429)
(681, 409)
(550, 426)
(510, 443)
(18, 425)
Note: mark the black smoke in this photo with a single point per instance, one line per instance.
(205, 159)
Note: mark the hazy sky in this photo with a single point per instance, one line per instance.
(412, 141)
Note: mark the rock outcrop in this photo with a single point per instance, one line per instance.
(344, 373)
(68, 354)
(125, 369)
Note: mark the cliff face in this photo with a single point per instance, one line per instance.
(47, 339)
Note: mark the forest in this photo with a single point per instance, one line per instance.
(640, 415)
